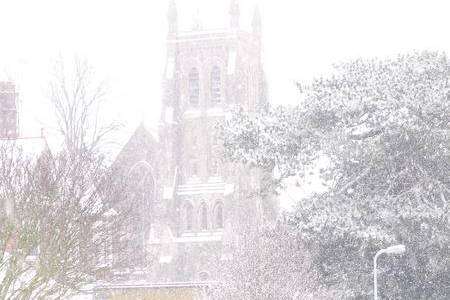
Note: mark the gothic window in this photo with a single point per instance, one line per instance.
(142, 183)
(194, 168)
(218, 215)
(215, 85)
(214, 139)
(8, 123)
(188, 216)
(194, 141)
(141, 191)
(203, 276)
(194, 88)
(11, 125)
(214, 171)
(107, 248)
(203, 217)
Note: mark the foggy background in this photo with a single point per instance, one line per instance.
(125, 42)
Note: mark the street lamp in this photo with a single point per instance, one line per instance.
(397, 249)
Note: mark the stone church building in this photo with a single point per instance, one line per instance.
(190, 201)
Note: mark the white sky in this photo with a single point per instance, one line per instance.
(125, 42)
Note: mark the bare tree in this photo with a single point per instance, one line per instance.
(77, 99)
(61, 205)
(54, 240)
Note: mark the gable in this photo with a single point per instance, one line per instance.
(142, 146)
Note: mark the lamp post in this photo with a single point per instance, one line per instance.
(397, 249)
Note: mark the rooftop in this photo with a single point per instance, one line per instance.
(31, 147)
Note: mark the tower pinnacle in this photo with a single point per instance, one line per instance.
(256, 22)
(172, 17)
(234, 14)
(196, 22)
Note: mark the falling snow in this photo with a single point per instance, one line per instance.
(231, 194)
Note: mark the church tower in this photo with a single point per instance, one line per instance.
(208, 73)
(192, 197)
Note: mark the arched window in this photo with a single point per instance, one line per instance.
(141, 189)
(214, 168)
(194, 141)
(194, 88)
(188, 216)
(215, 85)
(142, 183)
(203, 217)
(203, 276)
(218, 215)
(194, 168)
(214, 138)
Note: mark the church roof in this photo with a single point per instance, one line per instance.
(144, 138)
(149, 130)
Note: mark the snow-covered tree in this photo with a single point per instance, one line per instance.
(385, 126)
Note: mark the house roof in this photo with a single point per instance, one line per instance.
(31, 147)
